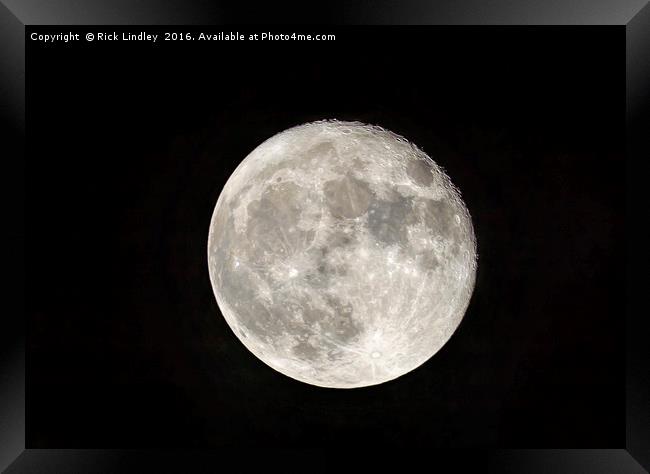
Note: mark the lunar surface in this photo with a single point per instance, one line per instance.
(341, 255)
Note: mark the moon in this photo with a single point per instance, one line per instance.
(341, 255)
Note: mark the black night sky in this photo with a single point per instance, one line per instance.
(130, 144)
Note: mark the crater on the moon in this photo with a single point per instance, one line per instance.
(341, 255)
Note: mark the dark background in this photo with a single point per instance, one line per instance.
(130, 144)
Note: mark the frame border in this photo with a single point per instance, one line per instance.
(634, 14)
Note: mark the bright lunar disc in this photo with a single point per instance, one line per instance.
(341, 255)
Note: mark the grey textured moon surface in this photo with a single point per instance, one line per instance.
(341, 255)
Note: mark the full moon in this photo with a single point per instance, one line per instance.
(341, 255)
